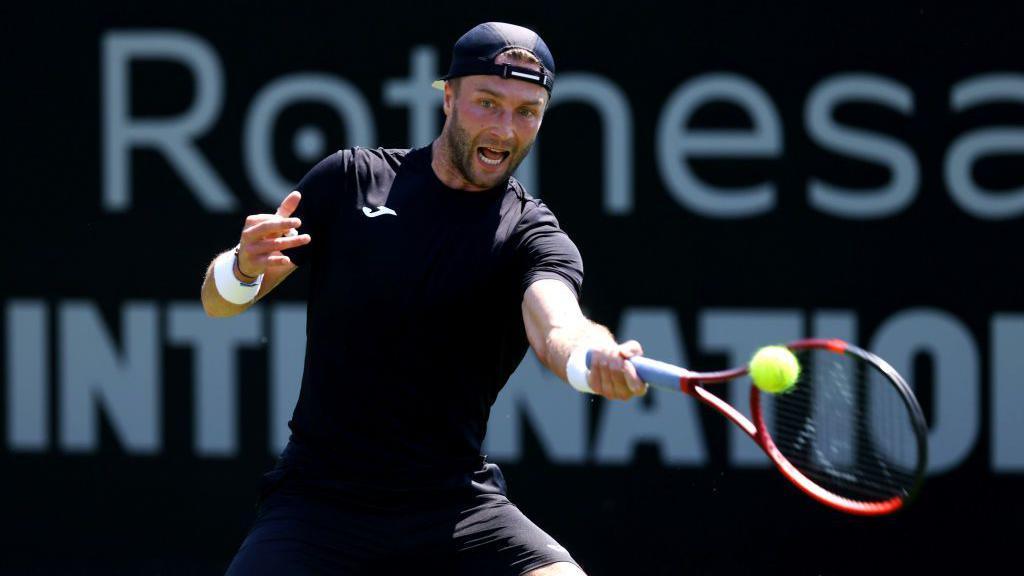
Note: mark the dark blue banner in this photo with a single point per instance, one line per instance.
(734, 174)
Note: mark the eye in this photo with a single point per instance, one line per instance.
(487, 103)
(527, 113)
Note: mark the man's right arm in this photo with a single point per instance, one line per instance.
(260, 246)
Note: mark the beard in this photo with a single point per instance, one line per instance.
(462, 150)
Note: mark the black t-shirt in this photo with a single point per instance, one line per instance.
(414, 318)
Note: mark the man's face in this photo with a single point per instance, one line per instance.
(492, 123)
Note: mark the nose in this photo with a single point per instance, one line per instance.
(504, 129)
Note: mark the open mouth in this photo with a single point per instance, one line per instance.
(491, 156)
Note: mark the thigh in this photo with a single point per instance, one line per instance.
(296, 534)
(285, 556)
(494, 537)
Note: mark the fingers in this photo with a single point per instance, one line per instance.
(604, 381)
(282, 260)
(254, 259)
(268, 245)
(630, 348)
(612, 377)
(272, 226)
(289, 204)
(633, 381)
(265, 235)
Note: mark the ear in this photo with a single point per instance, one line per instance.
(449, 98)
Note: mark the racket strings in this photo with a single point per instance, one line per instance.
(846, 427)
(868, 481)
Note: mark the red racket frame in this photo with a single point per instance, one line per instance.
(693, 383)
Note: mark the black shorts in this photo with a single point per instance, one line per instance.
(298, 533)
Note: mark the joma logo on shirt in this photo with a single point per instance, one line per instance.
(380, 211)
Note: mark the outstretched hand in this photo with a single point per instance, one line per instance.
(266, 235)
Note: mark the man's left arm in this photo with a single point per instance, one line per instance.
(555, 326)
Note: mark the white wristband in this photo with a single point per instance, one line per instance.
(576, 370)
(228, 286)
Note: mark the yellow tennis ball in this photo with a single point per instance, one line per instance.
(774, 369)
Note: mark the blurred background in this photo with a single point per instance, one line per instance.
(734, 173)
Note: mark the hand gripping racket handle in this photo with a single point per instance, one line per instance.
(657, 373)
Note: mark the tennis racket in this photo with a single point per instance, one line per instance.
(850, 433)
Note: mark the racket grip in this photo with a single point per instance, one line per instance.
(655, 372)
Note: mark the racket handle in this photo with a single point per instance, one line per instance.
(655, 372)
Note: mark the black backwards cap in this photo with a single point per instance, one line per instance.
(475, 52)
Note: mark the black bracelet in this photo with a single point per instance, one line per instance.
(239, 268)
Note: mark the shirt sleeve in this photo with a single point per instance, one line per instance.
(544, 251)
(321, 189)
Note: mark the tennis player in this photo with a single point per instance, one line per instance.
(431, 270)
